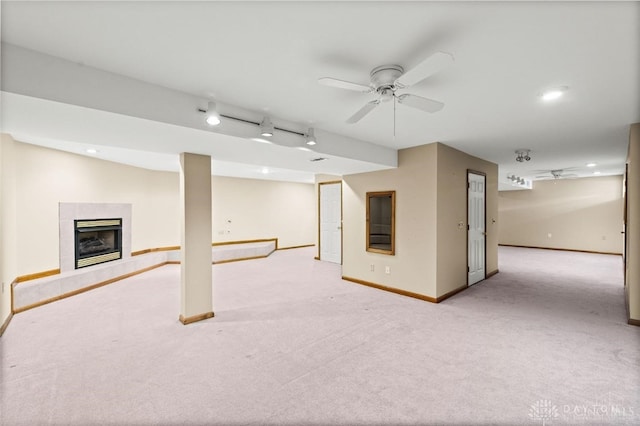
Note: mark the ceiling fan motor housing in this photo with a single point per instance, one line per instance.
(384, 77)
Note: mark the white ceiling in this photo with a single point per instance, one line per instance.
(266, 57)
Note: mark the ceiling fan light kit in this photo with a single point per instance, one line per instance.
(556, 174)
(386, 80)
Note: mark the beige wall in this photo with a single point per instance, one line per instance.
(452, 210)
(8, 255)
(45, 177)
(413, 268)
(431, 251)
(580, 214)
(633, 225)
(263, 209)
(320, 178)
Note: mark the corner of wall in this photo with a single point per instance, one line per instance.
(632, 236)
(452, 168)
(8, 240)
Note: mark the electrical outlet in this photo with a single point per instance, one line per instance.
(387, 269)
(373, 268)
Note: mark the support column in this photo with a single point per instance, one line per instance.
(196, 225)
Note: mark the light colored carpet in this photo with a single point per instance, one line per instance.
(545, 340)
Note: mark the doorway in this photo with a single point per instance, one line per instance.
(330, 222)
(476, 228)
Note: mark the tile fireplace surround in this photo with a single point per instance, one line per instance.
(68, 212)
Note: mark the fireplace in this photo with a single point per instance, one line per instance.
(97, 241)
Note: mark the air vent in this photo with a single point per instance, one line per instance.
(318, 159)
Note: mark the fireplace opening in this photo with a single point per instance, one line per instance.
(97, 241)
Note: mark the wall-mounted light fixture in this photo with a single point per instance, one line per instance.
(523, 155)
(266, 127)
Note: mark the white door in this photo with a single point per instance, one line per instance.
(476, 233)
(331, 222)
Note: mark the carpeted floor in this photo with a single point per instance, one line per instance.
(543, 342)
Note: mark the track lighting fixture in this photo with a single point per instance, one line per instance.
(266, 127)
(523, 155)
(213, 118)
(310, 138)
(517, 180)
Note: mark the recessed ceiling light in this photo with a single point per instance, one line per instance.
(596, 172)
(591, 164)
(92, 151)
(553, 94)
(265, 170)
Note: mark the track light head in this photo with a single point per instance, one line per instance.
(310, 138)
(523, 155)
(213, 118)
(266, 127)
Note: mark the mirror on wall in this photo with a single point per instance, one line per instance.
(381, 212)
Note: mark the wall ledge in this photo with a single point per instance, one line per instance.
(43, 288)
(561, 249)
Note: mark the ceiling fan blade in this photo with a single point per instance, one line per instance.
(424, 104)
(424, 69)
(341, 84)
(366, 109)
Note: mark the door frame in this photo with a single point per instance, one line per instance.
(483, 174)
(331, 182)
(625, 195)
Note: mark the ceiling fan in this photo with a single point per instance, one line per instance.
(556, 174)
(386, 80)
